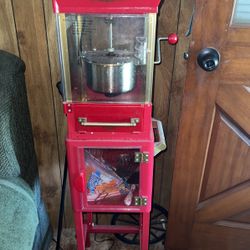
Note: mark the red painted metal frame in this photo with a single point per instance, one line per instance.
(114, 229)
(97, 112)
(79, 203)
(106, 6)
(76, 162)
(83, 230)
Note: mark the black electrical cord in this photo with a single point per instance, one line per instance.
(113, 243)
(56, 242)
(59, 86)
(61, 211)
(103, 240)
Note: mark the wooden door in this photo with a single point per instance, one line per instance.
(210, 199)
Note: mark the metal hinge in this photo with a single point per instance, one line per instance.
(140, 201)
(141, 157)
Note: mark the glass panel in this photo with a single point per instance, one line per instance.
(112, 176)
(241, 15)
(109, 57)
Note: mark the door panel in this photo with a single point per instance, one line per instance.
(228, 158)
(205, 237)
(234, 100)
(242, 217)
(210, 200)
(224, 205)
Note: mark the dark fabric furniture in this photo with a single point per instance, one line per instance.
(24, 223)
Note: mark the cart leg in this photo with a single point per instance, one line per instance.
(144, 230)
(80, 233)
(89, 223)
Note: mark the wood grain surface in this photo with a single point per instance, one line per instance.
(211, 173)
(174, 99)
(32, 43)
(8, 37)
(167, 23)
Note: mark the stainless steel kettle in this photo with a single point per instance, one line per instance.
(110, 72)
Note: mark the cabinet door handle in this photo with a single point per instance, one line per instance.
(161, 144)
(84, 122)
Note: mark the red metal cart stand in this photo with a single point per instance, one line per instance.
(107, 60)
(88, 156)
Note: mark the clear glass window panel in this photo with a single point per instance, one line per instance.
(108, 55)
(241, 14)
(112, 176)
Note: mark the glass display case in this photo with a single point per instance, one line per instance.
(107, 57)
(112, 176)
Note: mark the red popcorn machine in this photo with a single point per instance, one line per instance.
(107, 64)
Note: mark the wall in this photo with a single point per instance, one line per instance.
(27, 29)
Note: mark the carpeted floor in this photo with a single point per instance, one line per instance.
(68, 242)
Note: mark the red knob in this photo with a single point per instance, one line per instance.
(173, 39)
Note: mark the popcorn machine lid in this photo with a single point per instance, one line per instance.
(106, 6)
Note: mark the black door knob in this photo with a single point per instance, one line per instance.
(208, 59)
